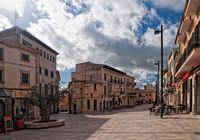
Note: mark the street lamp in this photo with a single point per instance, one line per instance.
(161, 32)
(157, 83)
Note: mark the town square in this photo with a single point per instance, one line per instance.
(100, 69)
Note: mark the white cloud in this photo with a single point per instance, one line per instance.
(76, 46)
(176, 5)
(4, 23)
(102, 31)
(12, 5)
(169, 35)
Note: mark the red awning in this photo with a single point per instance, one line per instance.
(185, 77)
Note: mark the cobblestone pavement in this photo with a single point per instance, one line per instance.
(128, 124)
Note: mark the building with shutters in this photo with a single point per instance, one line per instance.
(24, 62)
(99, 87)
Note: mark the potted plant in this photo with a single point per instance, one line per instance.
(19, 122)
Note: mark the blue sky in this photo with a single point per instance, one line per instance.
(113, 32)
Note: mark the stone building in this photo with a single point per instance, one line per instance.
(140, 96)
(188, 64)
(98, 87)
(150, 93)
(171, 95)
(24, 62)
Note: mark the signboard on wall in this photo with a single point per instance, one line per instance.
(8, 122)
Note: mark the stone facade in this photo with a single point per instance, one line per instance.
(98, 87)
(150, 93)
(26, 61)
(187, 77)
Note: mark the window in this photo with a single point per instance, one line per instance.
(115, 79)
(26, 43)
(105, 77)
(46, 89)
(109, 87)
(52, 89)
(52, 74)
(53, 59)
(44, 54)
(111, 78)
(95, 86)
(24, 78)
(40, 87)
(50, 58)
(25, 57)
(88, 104)
(40, 52)
(46, 72)
(1, 75)
(47, 56)
(40, 70)
(104, 90)
(1, 53)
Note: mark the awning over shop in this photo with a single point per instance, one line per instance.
(191, 62)
(3, 94)
(185, 77)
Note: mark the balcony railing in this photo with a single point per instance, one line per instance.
(186, 53)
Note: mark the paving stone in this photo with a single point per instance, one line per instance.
(128, 124)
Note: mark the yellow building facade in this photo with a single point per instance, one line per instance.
(188, 64)
(98, 87)
(24, 62)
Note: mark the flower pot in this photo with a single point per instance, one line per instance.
(19, 124)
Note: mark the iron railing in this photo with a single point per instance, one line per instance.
(186, 53)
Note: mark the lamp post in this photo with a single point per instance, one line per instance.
(161, 32)
(157, 84)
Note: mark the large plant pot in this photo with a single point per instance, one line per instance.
(19, 124)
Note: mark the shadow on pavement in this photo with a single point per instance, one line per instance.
(78, 126)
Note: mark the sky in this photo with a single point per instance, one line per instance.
(118, 33)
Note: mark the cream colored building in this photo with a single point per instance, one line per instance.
(96, 87)
(188, 67)
(150, 93)
(24, 62)
(140, 96)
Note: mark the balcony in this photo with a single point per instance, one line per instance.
(189, 59)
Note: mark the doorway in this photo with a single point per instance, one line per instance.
(1, 110)
(95, 104)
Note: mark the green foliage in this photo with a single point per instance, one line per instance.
(43, 97)
(19, 117)
(9, 124)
